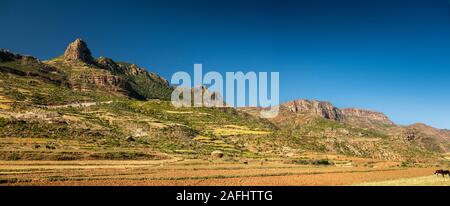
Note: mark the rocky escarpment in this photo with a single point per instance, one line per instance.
(328, 111)
(105, 81)
(362, 115)
(78, 51)
(313, 107)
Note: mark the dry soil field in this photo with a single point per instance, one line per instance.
(179, 171)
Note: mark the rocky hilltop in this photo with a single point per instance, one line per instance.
(88, 73)
(328, 111)
(78, 51)
(354, 131)
(78, 70)
(313, 107)
(363, 115)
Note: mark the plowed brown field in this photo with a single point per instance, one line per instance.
(196, 172)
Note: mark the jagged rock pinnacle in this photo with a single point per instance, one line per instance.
(78, 51)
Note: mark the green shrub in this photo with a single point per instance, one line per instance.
(301, 162)
(407, 163)
(8, 180)
(14, 156)
(3, 122)
(16, 95)
(311, 162)
(322, 162)
(66, 157)
(57, 178)
(39, 99)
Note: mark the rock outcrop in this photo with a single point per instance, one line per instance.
(106, 74)
(146, 84)
(315, 108)
(354, 114)
(127, 69)
(106, 82)
(6, 56)
(107, 63)
(78, 51)
(328, 111)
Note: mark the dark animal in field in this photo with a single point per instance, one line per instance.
(442, 172)
(245, 162)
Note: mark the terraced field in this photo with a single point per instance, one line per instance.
(179, 171)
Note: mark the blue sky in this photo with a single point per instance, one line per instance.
(390, 56)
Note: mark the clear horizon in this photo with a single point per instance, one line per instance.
(387, 56)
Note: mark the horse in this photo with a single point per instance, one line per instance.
(442, 172)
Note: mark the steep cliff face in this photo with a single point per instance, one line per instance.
(104, 81)
(328, 111)
(313, 107)
(78, 51)
(362, 115)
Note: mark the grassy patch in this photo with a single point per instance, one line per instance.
(417, 181)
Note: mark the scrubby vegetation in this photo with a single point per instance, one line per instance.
(77, 110)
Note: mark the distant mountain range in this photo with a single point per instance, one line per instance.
(101, 105)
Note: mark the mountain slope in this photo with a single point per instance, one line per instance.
(137, 82)
(319, 126)
(79, 107)
(78, 71)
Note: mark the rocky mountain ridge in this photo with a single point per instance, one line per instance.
(80, 71)
(328, 111)
(357, 130)
(48, 92)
